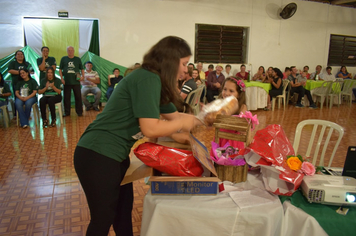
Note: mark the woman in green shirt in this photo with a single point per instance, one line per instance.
(26, 90)
(51, 88)
(133, 110)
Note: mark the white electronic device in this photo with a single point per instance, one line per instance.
(329, 189)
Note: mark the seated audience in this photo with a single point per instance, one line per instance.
(188, 85)
(51, 88)
(227, 73)
(343, 74)
(277, 86)
(297, 85)
(306, 70)
(112, 81)
(286, 73)
(260, 75)
(196, 77)
(317, 75)
(329, 76)
(201, 72)
(5, 91)
(214, 82)
(90, 85)
(243, 74)
(26, 90)
(210, 69)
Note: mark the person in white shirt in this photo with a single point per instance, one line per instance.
(227, 73)
(90, 85)
(329, 76)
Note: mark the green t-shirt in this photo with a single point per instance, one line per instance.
(25, 88)
(136, 96)
(4, 89)
(49, 62)
(70, 68)
(14, 65)
(57, 83)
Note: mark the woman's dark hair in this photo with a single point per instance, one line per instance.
(115, 69)
(262, 68)
(1, 80)
(24, 69)
(242, 95)
(24, 59)
(345, 69)
(163, 59)
(211, 66)
(48, 69)
(198, 77)
(278, 72)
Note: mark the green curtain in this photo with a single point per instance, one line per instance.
(104, 68)
(4, 64)
(94, 42)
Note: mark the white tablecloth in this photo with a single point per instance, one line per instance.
(211, 215)
(219, 214)
(256, 98)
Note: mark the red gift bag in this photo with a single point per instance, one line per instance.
(173, 161)
(269, 150)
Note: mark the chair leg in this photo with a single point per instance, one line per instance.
(60, 111)
(273, 103)
(6, 116)
(279, 103)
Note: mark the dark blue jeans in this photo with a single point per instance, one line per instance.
(24, 114)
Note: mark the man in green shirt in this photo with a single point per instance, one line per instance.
(69, 71)
(45, 61)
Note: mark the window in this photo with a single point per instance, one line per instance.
(220, 44)
(342, 50)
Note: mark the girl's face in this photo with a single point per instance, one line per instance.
(50, 74)
(182, 69)
(260, 70)
(229, 90)
(274, 73)
(243, 68)
(343, 69)
(270, 70)
(195, 74)
(23, 74)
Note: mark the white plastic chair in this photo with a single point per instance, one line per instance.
(36, 114)
(322, 137)
(58, 106)
(335, 92)
(323, 92)
(193, 99)
(5, 114)
(347, 89)
(281, 97)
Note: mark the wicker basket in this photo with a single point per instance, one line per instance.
(234, 174)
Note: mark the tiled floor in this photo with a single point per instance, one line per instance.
(39, 190)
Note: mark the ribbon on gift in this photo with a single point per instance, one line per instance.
(249, 118)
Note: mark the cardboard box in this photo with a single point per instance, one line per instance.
(168, 185)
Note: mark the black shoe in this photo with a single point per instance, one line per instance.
(45, 123)
(88, 108)
(96, 109)
(80, 114)
(53, 123)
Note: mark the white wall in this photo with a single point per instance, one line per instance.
(128, 28)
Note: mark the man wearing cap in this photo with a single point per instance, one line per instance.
(90, 85)
(214, 82)
(69, 71)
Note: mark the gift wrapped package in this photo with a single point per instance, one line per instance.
(269, 150)
(172, 161)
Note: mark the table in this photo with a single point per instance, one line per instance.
(213, 215)
(256, 94)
